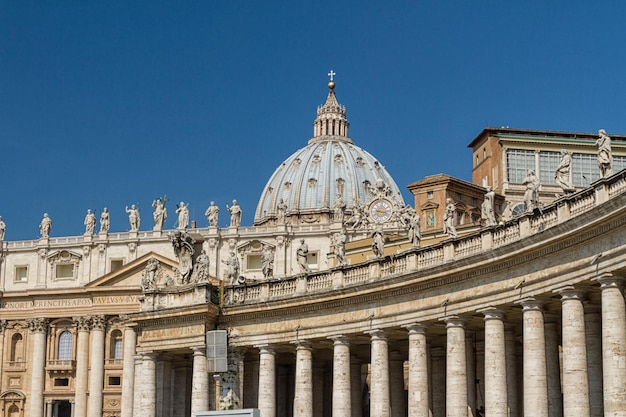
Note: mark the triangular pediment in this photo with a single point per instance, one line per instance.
(429, 205)
(129, 275)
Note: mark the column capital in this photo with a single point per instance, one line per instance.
(453, 321)
(609, 280)
(415, 328)
(38, 325)
(340, 340)
(83, 323)
(302, 345)
(377, 334)
(266, 349)
(492, 313)
(530, 303)
(198, 350)
(569, 292)
(98, 322)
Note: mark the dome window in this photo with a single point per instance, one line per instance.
(312, 183)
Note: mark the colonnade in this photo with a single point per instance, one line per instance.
(535, 380)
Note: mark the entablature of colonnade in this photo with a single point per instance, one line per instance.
(174, 329)
(569, 243)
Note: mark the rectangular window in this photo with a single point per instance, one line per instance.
(254, 262)
(311, 260)
(518, 162)
(21, 274)
(115, 380)
(430, 195)
(619, 163)
(116, 264)
(64, 271)
(61, 382)
(548, 163)
(584, 169)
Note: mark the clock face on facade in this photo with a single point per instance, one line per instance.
(380, 210)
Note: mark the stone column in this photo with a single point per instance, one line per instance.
(96, 377)
(39, 328)
(418, 372)
(613, 345)
(267, 381)
(575, 378)
(396, 384)
(355, 387)
(379, 386)
(137, 394)
(164, 385)
(534, 363)
(342, 400)
(303, 397)
(496, 401)
(593, 336)
(199, 381)
(511, 371)
(148, 385)
(49, 407)
(456, 368)
(82, 365)
(128, 373)
(3, 327)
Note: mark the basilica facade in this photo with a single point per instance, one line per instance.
(337, 301)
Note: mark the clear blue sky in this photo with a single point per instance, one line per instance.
(110, 103)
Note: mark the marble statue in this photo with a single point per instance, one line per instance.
(149, 275)
(301, 254)
(201, 267)
(531, 195)
(3, 228)
(605, 156)
(358, 219)
(90, 223)
(378, 242)
(105, 221)
(339, 208)
(281, 210)
(133, 218)
(339, 242)
(45, 225)
(449, 217)
(414, 230)
(487, 208)
(183, 216)
(267, 261)
(232, 272)
(159, 214)
(211, 214)
(562, 174)
(406, 214)
(183, 245)
(235, 214)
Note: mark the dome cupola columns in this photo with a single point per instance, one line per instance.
(331, 121)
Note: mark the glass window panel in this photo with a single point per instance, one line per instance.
(548, 163)
(518, 162)
(65, 346)
(117, 348)
(584, 169)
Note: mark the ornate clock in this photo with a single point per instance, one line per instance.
(380, 210)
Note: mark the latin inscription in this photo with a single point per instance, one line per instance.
(196, 330)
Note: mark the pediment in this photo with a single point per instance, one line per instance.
(130, 274)
(429, 205)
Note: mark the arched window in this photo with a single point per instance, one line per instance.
(17, 348)
(116, 344)
(65, 346)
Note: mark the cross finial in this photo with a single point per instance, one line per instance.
(331, 74)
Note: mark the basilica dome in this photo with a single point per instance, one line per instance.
(329, 168)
